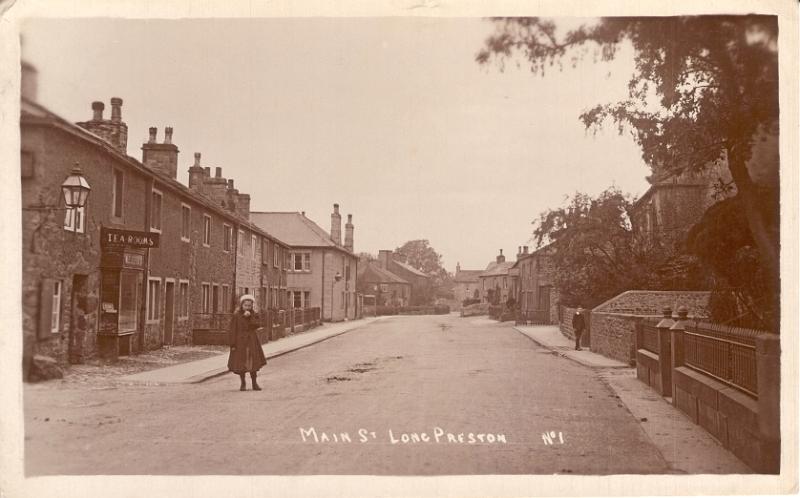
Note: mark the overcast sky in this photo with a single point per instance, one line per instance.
(392, 118)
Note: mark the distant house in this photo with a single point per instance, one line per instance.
(537, 296)
(498, 281)
(466, 284)
(388, 288)
(314, 261)
(421, 285)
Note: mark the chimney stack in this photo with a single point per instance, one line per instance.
(196, 174)
(97, 110)
(218, 172)
(524, 249)
(116, 109)
(230, 184)
(348, 233)
(500, 257)
(458, 267)
(207, 171)
(114, 130)
(336, 225)
(161, 157)
(243, 205)
(384, 256)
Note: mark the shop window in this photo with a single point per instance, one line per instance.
(155, 211)
(183, 295)
(153, 299)
(186, 223)
(129, 301)
(206, 230)
(75, 219)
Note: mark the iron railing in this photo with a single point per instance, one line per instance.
(648, 337)
(727, 354)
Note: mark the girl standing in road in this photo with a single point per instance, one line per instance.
(246, 353)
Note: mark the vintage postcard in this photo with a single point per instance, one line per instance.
(408, 248)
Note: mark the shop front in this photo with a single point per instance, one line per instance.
(123, 267)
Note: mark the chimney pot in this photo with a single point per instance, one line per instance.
(168, 135)
(116, 111)
(218, 172)
(336, 208)
(197, 159)
(97, 108)
(303, 213)
(524, 249)
(153, 131)
(350, 218)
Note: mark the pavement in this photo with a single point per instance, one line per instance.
(687, 448)
(550, 337)
(196, 371)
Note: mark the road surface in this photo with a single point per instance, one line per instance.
(421, 395)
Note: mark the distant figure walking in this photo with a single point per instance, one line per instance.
(246, 353)
(578, 326)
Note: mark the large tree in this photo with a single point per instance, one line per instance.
(704, 89)
(423, 257)
(598, 255)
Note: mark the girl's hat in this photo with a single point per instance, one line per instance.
(247, 297)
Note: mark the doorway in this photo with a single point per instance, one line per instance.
(169, 311)
(78, 322)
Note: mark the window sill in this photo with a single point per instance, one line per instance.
(155, 230)
(184, 239)
(206, 245)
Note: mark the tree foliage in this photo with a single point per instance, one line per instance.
(703, 89)
(598, 255)
(423, 257)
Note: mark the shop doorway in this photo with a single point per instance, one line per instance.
(78, 322)
(169, 311)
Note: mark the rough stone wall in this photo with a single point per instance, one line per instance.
(248, 268)
(614, 335)
(638, 302)
(49, 251)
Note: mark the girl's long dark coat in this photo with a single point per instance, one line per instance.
(248, 355)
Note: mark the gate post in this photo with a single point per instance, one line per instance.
(664, 377)
(768, 375)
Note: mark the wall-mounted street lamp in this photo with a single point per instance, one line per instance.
(336, 278)
(75, 190)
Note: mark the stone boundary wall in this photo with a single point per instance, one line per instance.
(614, 335)
(650, 303)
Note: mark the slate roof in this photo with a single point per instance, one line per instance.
(294, 229)
(33, 113)
(375, 274)
(495, 269)
(467, 275)
(411, 269)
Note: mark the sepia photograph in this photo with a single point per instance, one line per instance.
(441, 250)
